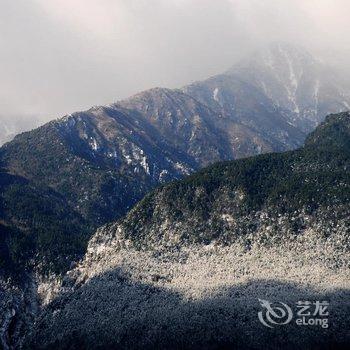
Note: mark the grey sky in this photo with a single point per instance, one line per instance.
(59, 56)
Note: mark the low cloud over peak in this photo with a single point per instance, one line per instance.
(60, 56)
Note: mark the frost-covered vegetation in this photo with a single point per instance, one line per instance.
(200, 297)
(185, 268)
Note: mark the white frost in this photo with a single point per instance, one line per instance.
(215, 94)
(93, 144)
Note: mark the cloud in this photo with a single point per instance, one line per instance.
(92, 18)
(59, 56)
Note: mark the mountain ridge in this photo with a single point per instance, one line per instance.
(102, 161)
(186, 267)
(284, 183)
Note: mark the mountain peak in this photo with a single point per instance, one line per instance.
(281, 47)
(274, 55)
(333, 132)
(296, 82)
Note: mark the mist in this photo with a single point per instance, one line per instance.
(61, 56)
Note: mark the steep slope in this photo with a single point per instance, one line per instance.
(200, 131)
(285, 83)
(88, 168)
(95, 165)
(38, 222)
(185, 123)
(234, 200)
(187, 266)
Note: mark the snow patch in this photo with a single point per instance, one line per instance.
(145, 165)
(163, 174)
(346, 104)
(215, 94)
(93, 144)
(112, 154)
(316, 92)
(293, 81)
(228, 218)
(182, 168)
(136, 157)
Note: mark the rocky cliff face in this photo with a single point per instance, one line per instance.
(185, 268)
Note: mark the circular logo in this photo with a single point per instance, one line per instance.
(274, 314)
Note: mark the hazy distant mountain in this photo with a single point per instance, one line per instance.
(283, 80)
(185, 268)
(11, 126)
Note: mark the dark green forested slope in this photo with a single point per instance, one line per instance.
(38, 224)
(230, 200)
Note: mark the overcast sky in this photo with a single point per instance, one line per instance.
(59, 56)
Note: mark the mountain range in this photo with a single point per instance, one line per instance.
(145, 216)
(185, 268)
(64, 179)
(12, 125)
